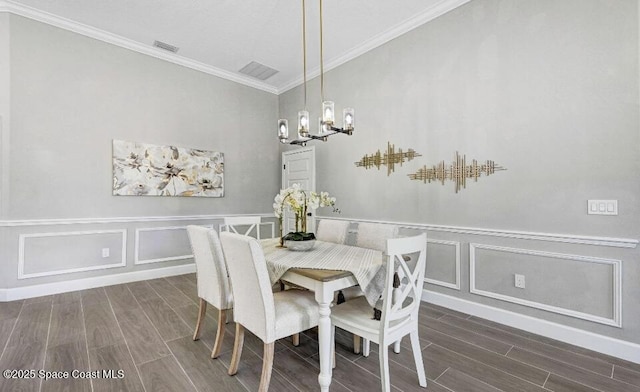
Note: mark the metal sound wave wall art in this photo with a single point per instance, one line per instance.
(458, 171)
(151, 170)
(390, 158)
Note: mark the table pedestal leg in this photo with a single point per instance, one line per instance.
(324, 338)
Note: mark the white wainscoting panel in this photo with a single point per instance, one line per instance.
(24, 239)
(456, 245)
(616, 277)
(177, 249)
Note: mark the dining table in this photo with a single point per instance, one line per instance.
(325, 269)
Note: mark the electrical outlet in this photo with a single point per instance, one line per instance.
(105, 252)
(602, 207)
(519, 281)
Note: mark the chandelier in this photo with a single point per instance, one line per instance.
(326, 123)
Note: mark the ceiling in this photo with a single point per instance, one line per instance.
(222, 36)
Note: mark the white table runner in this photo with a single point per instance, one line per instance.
(365, 264)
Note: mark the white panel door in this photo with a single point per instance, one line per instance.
(299, 167)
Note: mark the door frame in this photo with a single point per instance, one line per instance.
(311, 221)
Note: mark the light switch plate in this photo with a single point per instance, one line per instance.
(602, 207)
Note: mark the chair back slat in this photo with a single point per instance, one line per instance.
(403, 303)
(212, 275)
(253, 299)
(232, 224)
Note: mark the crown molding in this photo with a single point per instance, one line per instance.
(427, 15)
(418, 20)
(92, 32)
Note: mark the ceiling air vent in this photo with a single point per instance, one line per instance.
(165, 46)
(258, 71)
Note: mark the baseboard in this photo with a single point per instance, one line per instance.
(39, 290)
(592, 341)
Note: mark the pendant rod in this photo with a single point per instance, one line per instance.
(321, 59)
(304, 52)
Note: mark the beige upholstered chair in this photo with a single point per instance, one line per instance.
(270, 316)
(212, 280)
(375, 235)
(330, 230)
(399, 306)
(232, 224)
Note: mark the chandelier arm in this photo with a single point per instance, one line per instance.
(342, 130)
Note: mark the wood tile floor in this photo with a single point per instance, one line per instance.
(144, 329)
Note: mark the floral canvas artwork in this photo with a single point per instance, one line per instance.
(152, 170)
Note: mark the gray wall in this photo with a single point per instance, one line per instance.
(548, 89)
(4, 136)
(70, 95)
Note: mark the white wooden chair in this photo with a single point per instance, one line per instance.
(373, 236)
(233, 223)
(212, 280)
(399, 307)
(270, 316)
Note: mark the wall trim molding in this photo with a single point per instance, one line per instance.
(136, 258)
(126, 219)
(38, 290)
(616, 321)
(110, 38)
(565, 238)
(537, 236)
(603, 344)
(456, 285)
(21, 252)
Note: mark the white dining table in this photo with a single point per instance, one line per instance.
(312, 270)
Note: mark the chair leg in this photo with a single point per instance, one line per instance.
(237, 350)
(356, 344)
(417, 357)
(396, 346)
(295, 339)
(222, 318)
(267, 366)
(201, 313)
(366, 347)
(383, 358)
